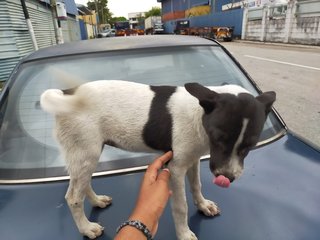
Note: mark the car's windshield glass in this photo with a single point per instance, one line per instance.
(27, 148)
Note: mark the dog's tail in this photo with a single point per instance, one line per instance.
(56, 102)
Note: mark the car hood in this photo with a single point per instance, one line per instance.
(276, 198)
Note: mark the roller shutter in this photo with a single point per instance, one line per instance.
(15, 40)
(42, 21)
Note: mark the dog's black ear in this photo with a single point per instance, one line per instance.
(207, 98)
(267, 99)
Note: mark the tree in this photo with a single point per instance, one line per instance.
(116, 19)
(100, 6)
(140, 19)
(154, 11)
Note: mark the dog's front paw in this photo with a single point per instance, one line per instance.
(187, 235)
(92, 230)
(101, 201)
(208, 208)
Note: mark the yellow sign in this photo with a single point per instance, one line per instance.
(198, 11)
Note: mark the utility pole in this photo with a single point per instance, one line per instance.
(56, 22)
(29, 24)
(97, 14)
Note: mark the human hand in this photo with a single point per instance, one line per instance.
(154, 194)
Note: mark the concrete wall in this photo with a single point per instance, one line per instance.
(295, 22)
(306, 30)
(253, 31)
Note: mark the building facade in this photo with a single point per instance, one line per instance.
(202, 13)
(88, 22)
(297, 21)
(136, 20)
(15, 39)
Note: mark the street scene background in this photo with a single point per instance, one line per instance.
(292, 71)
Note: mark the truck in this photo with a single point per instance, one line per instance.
(217, 32)
(122, 28)
(182, 27)
(153, 25)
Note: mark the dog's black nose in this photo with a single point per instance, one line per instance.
(230, 177)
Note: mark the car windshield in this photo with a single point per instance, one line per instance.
(27, 148)
(158, 25)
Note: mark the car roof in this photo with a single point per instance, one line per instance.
(118, 43)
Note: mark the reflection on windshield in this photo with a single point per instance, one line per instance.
(26, 130)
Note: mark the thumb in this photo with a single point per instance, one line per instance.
(164, 175)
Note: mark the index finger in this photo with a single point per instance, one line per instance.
(160, 161)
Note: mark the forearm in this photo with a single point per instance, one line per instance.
(152, 199)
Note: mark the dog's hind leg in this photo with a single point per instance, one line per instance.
(81, 164)
(208, 207)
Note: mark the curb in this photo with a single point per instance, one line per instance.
(277, 44)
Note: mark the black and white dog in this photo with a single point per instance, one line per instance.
(193, 121)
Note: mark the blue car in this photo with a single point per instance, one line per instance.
(277, 197)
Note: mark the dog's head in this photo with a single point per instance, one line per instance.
(233, 124)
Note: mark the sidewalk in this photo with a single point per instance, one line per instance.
(278, 44)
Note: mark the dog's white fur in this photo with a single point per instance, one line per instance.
(234, 163)
(117, 111)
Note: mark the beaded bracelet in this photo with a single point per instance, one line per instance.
(138, 225)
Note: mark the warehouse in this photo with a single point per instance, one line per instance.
(202, 13)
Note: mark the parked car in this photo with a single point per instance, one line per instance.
(277, 197)
(107, 33)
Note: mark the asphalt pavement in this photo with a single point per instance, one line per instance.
(293, 72)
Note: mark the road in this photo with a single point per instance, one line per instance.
(293, 72)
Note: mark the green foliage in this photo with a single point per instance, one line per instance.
(155, 11)
(140, 19)
(100, 6)
(116, 19)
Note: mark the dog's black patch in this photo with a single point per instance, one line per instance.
(257, 112)
(157, 133)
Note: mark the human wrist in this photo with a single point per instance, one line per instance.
(137, 228)
(148, 219)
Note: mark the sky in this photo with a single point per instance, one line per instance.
(123, 7)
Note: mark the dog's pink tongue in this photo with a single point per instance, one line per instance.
(222, 181)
